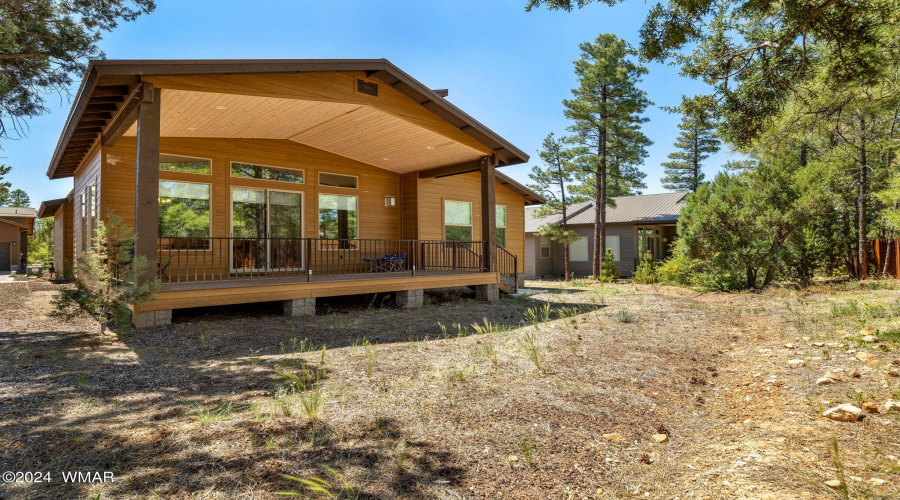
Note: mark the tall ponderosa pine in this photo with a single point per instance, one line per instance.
(695, 143)
(606, 125)
(553, 181)
(19, 198)
(4, 185)
(45, 42)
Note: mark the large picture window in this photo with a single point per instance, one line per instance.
(500, 221)
(177, 163)
(457, 221)
(338, 221)
(613, 243)
(184, 220)
(578, 251)
(250, 171)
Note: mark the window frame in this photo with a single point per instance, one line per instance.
(471, 226)
(319, 224)
(618, 256)
(186, 156)
(319, 181)
(273, 167)
(541, 247)
(209, 246)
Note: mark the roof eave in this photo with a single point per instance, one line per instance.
(505, 151)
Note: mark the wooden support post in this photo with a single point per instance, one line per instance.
(146, 195)
(488, 209)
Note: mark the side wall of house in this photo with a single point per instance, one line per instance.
(432, 193)
(84, 209)
(9, 235)
(625, 262)
(542, 266)
(63, 237)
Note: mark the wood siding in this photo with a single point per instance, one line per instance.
(12, 235)
(88, 173)
(63, 237)
(467, 188)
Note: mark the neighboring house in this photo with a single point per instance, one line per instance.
(287, 180)
(636, 224)
(16, 224)
(62, 212)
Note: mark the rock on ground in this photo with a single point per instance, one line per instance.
(844, 413)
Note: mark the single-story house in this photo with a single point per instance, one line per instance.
(288, 180)
(16, 224)
(635, 225)
(62, 212)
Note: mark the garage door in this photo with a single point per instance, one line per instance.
(4, 256)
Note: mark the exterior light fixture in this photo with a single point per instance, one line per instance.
(221, 107)
(390, 201)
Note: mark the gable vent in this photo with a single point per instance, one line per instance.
(368, 88)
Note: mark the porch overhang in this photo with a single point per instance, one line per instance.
(404, 127)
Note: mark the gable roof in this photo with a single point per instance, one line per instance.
(26, 212)
(645, 208)
(109, 84)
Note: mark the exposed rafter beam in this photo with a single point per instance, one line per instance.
(126, 116)
(448, 170)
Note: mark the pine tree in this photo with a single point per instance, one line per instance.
(695, 143)
(4, 185)
(553, 181)
(606, 118)
(106, 280)
(19, 198)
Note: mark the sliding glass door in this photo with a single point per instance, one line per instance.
(266, 227)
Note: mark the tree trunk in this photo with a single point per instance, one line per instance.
(863, 201)
(566, 257)
(887, 254)
(770, 274)
(848, 250)
(751, 277)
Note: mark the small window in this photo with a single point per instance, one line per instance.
(545, 247)
(250, 171)
(338, 180)
(578, 251)
(613, 244)
(501, 225)
(457, 221)
(338, 222)
(176, 163)
(184, 220)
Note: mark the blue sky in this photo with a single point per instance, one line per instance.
(507, 68)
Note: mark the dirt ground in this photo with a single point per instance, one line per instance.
(461, 399)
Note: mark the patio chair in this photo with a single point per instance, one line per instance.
(389, 263)
(162, 267)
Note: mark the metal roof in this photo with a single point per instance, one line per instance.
(645, 208)
(17, 212)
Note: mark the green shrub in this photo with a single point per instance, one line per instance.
(677, 270)
(610, 272)
(646, 270)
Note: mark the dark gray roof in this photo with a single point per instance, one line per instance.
(645, 208)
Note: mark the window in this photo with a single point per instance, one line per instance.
(176, 163)
(92, 214)
(184, 215)
(250, 171)
(501, 225)
(338, 221)
(613, 244)
(578, 251)
(338, 180)
(84, 213)
(545, 247)
(457, 221)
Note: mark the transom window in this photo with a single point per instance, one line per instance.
(338, 180)
(338, 222)
(178, 163)
(251, 171)
(457, 220)
(184, 220)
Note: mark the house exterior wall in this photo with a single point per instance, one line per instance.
(418, 213)
(555, 265)
(467, 188)
(12, 236)
(63, 238)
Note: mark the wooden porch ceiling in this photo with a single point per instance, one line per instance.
(314, 102)
(358, 131)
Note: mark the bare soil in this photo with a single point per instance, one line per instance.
(461, 399)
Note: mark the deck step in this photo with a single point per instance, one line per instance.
(507, 289)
